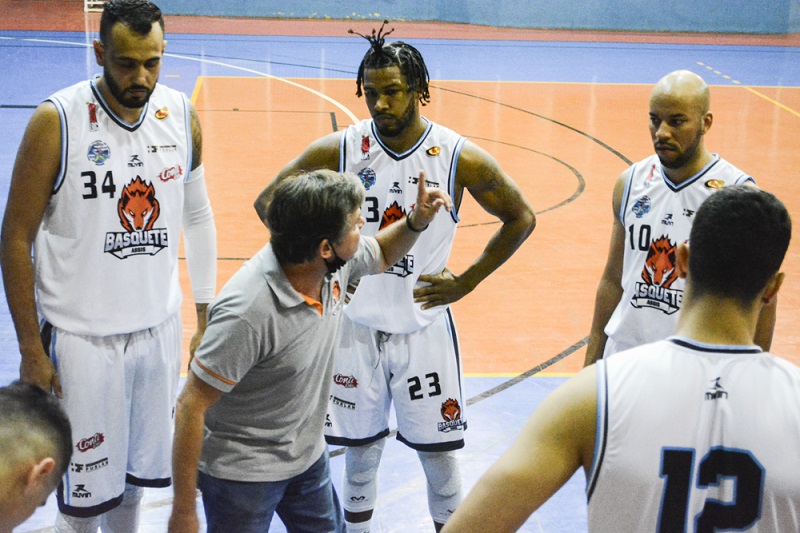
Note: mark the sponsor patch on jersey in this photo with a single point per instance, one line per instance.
(348, 382)
(451, 413)
(364, 147)
(641, 206)
(650, 177)
(99, 153)
(138, 209)
(161, 148)
(367, 177)
(342, 403)
(92, 109)
(715, 184)
(433, 151)
(90, 443)
(162, 113)
(174, 172)
(658, 275)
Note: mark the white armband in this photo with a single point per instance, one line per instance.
(199, 237)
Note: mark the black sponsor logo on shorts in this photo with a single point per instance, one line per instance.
(343, 403)
(80, 492)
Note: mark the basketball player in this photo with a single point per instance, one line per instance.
(654, 203)
(257, 393)
(398, 340)
(37, 445)
(697, 432)
(107, 172)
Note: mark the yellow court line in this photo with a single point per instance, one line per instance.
(196, 92)
(770, 100)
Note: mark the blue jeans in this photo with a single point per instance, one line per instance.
(306, 503)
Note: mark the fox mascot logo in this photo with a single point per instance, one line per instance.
(451, 410)
(138, 208)
(451, 413)
(659, 267)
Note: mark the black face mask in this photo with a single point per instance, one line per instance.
(336, 263)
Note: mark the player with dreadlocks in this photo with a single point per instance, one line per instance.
(398, 341)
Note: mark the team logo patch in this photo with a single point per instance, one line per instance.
(392, 214)
(138, 209)
(367, 176)
(90, 443)
(93, 124)
(641, 206)
(99, 153)
(433, 151)
(715, 184)
(658, 275)
(348, 382)
(451, 413)
(364, 147)
(171, 173)
(162, 113)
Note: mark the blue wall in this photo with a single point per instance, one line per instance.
(732, 16)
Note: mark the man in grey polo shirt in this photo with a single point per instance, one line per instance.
(252, 412)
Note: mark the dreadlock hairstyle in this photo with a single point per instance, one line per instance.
(405, 56)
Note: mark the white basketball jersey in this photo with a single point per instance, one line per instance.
(657, 215)
(106, 254)
(385, 301)
(696, 438)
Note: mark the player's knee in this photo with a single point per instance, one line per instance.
(442, 473)
(361, 462)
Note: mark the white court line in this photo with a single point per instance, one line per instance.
(325, 97)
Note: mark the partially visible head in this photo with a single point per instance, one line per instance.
(395, 54)
(679, 117)
(737, 243)
(36, 439)
(130, 48)
(307, 209)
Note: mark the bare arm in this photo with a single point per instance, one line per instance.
(496, 192)
(195, 399)
(398, 238)
(609, 290)
(556, 440)
(32, 181)
(322, 153)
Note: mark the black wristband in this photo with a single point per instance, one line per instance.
(412, 228)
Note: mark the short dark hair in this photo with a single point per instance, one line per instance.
(738, 241)
(138, 15)
(27, 409)
(308, 208)
(397, 53)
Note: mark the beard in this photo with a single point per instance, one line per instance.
(399, 124)
(680, 159)
(122, 96)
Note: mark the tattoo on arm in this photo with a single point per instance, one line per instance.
(197, 140)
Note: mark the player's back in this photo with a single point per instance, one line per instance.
(693, 437)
